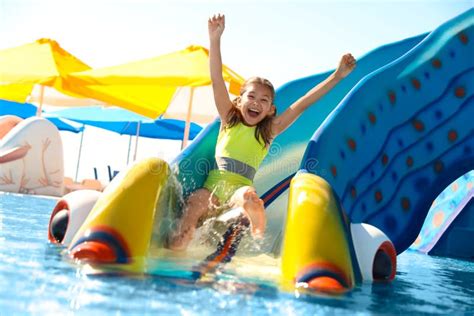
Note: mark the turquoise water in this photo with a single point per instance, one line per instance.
(35, 279)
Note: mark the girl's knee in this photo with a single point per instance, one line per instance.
(200, 201)
(199, 196)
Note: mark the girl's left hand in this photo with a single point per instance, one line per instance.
(346, 65)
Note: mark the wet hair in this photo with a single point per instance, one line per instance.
(263, 131)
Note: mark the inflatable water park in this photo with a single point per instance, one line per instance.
(382, 164)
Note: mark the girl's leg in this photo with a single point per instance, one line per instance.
(247, 198)
(197, 205)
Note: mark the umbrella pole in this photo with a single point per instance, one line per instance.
(129, 145)
(188, 120)
(136, 141)
(79, 155)
(40, 106)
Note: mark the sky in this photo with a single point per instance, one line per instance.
(281, 40)
(276, 39)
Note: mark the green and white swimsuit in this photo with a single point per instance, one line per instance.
(238, 156)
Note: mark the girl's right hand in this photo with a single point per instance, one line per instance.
(216, 25)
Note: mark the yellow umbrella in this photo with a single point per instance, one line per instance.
(148, 86)
(42, 62)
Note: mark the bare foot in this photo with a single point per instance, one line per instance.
(254, 209)
(180, 239)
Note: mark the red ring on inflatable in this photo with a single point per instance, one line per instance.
(388, 248)
(61, 205)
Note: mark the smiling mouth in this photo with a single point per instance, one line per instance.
(253, 113)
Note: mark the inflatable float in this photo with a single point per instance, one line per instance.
(31, 156)
(131, 216)
(395, 140)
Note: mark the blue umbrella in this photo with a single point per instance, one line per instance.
(26, 110)
(125, 122)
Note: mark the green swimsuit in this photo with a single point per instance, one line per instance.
(238, 156)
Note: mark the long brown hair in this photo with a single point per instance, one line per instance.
(263, 131)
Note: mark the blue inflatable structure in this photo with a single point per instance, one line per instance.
(403, 134)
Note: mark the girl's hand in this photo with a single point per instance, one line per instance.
(346, 65)
(216, 25)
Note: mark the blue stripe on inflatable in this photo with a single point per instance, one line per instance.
(269, 196)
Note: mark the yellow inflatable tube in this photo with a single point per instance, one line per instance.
(119, 226)
(317, 251)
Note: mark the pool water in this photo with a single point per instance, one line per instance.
(36, 279)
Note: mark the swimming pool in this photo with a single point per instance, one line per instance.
(34, 278)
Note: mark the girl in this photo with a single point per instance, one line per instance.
(248, 126)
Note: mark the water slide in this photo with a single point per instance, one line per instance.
(377, 149)
(284, 159)
(449, 225)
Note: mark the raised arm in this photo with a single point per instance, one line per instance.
(282, 122)
(216, 26)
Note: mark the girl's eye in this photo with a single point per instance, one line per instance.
(250, 96)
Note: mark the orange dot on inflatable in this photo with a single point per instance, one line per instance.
(372, 118)
(418, 125)
(405, 202)
(352, 144)
(469, 185)
(416, 83)
(463, 37)
(378, 196)
(460, 92)
(392, 97)
(436, 63)
(353, 192)
(326, 284)
(438, 219)
(455, 187)
(452, 135)
(334, 171)
(438, 166)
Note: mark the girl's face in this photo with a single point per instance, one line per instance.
(256, 104)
